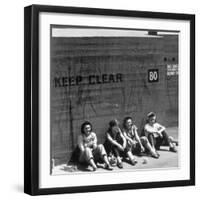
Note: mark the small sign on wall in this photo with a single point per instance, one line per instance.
(172, 69)
(153, 75)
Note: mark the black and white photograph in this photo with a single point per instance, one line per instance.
(99, 100)
(114, 99)
(109, 100)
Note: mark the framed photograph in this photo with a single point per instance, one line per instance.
(109, 99)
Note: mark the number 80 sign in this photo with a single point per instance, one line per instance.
(153, 75)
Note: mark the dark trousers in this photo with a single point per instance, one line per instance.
(112, 149)
(159, 141)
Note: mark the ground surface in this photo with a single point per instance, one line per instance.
(167, 160)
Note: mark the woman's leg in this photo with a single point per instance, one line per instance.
(92, 163)
(100, 150)
(169, 141)
(131, 158)
(89, 158)
(147, 145)
(152, 141)
(129, 153)
(107, 163)
(117, 155)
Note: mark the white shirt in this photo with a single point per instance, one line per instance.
(155, 128)
(88, 141)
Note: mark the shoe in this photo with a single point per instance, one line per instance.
(108, 167)
(158, 154)
(155, 155)
(94, 168)
(173, 149)
(133, 161)
(120, 165)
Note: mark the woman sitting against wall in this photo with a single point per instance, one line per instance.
(157, 134)
(116, 144)
(136, 144)
(90, 151)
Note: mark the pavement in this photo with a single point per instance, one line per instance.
(166, 160)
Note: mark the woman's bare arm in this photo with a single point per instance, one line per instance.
(123, 138)
(114, 142)
(137, 138)
(80, 143)
(128, 138)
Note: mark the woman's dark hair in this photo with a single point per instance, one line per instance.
(150, 115)
(125, 120)
(85, 124)
(113, 123)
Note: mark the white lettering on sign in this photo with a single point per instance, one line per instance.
(172, 69)
(153, 75)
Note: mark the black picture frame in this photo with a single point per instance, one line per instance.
(31, 98)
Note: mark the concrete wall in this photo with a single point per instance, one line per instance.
(99, 103)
